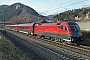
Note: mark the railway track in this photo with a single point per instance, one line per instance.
(77, 51)
(69, 51)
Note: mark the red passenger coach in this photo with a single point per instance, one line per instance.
(12, 27)
(26, 28)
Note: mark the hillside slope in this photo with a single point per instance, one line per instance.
(8, 50)
(19, 13)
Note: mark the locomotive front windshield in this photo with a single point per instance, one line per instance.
(74, 26)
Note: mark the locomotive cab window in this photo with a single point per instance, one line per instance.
(63, 27)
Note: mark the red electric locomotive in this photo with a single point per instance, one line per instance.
(68, 31)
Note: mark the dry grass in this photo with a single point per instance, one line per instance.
(86, 35)
(8, 51)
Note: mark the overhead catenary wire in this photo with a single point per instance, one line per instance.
(57, 5)
(64, 6)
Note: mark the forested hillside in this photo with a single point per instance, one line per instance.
(76, 14)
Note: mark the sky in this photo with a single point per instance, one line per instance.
(48, 7)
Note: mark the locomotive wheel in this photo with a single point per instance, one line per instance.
(57, 39)
(77, 43)
(38, 36)
(52, 38)
(42, 37)
(49, 38)
(60, 40)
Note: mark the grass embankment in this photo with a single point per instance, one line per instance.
(8, 51)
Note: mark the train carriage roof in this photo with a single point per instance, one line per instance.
(10, 25)
(49, 24)
(28, 24)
